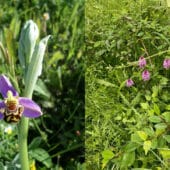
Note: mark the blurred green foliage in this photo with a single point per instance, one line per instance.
(126, 128)
(56, 140)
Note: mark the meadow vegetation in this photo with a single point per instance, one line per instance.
(127, 125)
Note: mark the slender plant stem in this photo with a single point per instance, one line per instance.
(22, 136)
(23, 149)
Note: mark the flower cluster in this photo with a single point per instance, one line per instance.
(146, 74)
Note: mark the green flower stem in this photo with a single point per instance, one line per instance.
(22, 136)
(23, 149)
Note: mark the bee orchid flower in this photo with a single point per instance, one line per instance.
(13, 107)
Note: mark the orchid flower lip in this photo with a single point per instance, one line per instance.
(31, 109)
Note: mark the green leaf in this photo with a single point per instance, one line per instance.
(136, 99)
(2, 167)
(98, 44)
(10, 44)
(165, 152)
(167, 107)
(35, 143)
(107, 155)
(147, 146)
(135, 138)
(168, 3)
(148, 97)
(42, 156)
(150, 112)
(105, 83)
(128, 159)
(154, 143)
(41, 88)
(167, 138)
(145, 106)
(156, 109)
(35, 66)
(132, 146)
(155, 90)
(166, 116)
(56, 56)
(160, 128)
(142, 169)
(155, 119)
(149, 131)
(142, 135)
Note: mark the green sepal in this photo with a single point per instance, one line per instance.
(35, 66)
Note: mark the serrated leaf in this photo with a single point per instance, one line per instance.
(42, 156)
(142, 135)
(149, 131)
(166, 116)
(155, 119)
(160, 128)
(147, 146)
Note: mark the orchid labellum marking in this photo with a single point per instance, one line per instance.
(13, 107)
(13, 110)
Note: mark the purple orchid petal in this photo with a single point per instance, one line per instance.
(5, 86)
(2, 107)
(31, 109)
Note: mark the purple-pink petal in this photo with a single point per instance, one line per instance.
(31, 109)
(2, 107)
(5, 86)
(129, 83)
(145, 75)
(142, 62)
(166, 63)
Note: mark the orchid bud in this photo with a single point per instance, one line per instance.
(29, 35)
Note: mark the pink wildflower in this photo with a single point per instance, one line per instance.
(142, 62)
(166, 63)
(145, 75)
(129, 83)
